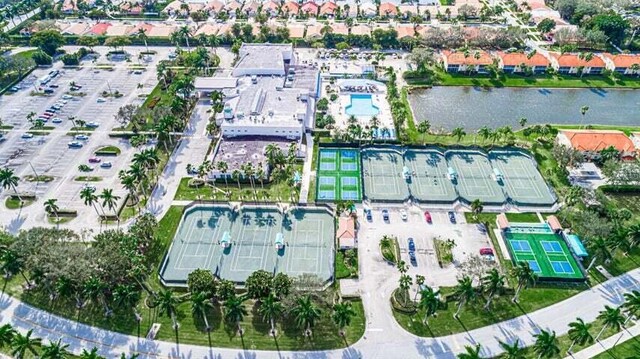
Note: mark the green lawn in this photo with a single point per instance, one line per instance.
(626, 350)
(523, 217)
(7, 78)
(553, 81)
(343, 269)
(277, 191)
(11, 203)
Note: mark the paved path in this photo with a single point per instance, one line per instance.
(383, 337)
(603, 345)
(17, 20)
(307, 171)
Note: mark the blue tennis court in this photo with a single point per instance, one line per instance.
(348, 166)
(327, 180)
(350, 195)
(327, 166)
(349, 181)
(551, 247)
(324, 194)
(533, 264)
(348, 154)
(330, 155)
(520, 246)
(562, 267)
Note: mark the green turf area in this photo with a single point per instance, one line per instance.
(12, 203)
(546, 253)
(627, 350)
(273, 191)
(338, 175)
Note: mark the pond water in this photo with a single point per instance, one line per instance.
(447, 107)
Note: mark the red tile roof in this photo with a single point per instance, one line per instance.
(346, 228)
(518, 58)
(624, 60)
(291, 7)
(597, 140)
(328, 8)
(574, 60)
(100, 28)
(310, 7)
(387, 8)
(457, 58)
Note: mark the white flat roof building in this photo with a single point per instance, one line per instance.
(264, 59)
(205, 85)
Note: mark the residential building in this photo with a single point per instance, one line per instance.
(271, 8)
(291, 8)
(518, 62)
(310, 8)
(591, 142)
(388, 9)
(314, 32)
(624, 64)
(328, 8)
(346, 234)
(469, 61)
(576, 64)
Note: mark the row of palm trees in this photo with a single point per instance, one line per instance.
(25, 345)
(546, 344)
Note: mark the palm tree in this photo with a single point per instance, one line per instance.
(12, 264)
(470, 352)
(6, 335)
(306, 313)
(464, 292)
(579, 333)
(546, 345)
(513, 351)
(55, 350)
(200, 303)
(525, 277)
(50, 206)
(271, 308)
(167, 303)
(599, 249)
(405, 282)
(87, 194)
(235, 311)
(9, 180)
(429, 303)
(23, 344)
(476, 208)
(522, 121)
(458, 133)
(342, 315)
(631, 304)
(423, 128)
(93, 354)
(236, 176)
(611, 318)
(583, 112)
(142, 35)
(110, 200)
(492, 283)
(484, 132)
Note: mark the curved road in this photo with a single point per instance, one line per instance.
(383, 338)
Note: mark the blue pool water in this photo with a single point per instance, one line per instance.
(361, 105)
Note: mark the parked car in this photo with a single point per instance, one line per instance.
(94, 160)
(75, 144)
(92, 124)
(106, 165)
(486, 251)
(412, 258)
(403, 214)
(14, 89)
(48, 91)
(27, 135)
(427, 217)
(56, 120)
(385, 215)
(367, 214)
(67, 97)
(91, 187)
(101, 100)
(43, 119)
(412, 245)
(452, 217)
(54, 86)
(81, 137)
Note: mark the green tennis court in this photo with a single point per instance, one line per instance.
(383, 179)
(474, 177)
(252, 235)
(338, 175)
(429, 177)
(524, 183)
(546, 253)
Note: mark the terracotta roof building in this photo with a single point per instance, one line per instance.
(516, 62)
(471, 61)
(591, 142)
(574, 63)
(625, 64)
(346, 233)
(314, 32)
(291, 8)
(339, 28)
(328, 8)
(296, 31)
(388, 9)
(310, 8)
(214, 6)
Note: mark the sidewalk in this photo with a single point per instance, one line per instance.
(603, 345)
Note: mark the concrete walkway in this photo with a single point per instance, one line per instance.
(383, 337)
(307, 171)
(603, 345)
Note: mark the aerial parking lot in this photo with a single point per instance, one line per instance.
(88, 97)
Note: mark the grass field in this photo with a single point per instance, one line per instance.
(277, 191)
(627, 350)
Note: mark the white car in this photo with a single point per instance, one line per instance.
(81, 137)
(67, 97)
(56, 120)
(101, 100)
(403, 214)
(27, 135)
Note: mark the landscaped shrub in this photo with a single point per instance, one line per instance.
(41, 58)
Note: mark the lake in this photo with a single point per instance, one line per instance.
(447, 107)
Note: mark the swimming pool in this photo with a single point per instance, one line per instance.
(361, 105)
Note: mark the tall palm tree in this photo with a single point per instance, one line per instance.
(484, 132)
(458, 133)
(23, 344)
(464, 292)
(546, 345)
(142, 35)
(513, 350)
(599, 249)
(405, 283)
(271, 308)
(525, 277)
(236, 176)
(87, 194)
(579, 333)
(110, 201)
(306, 313)
(470, 352)
(6, 335)
(429, 303)
(9, 180)
(492, 283)
(234, 311)
(423, 129)
(476, 207)
(583, 112)
(223, 167)
(611, 318)
(50, 206)
(631, 304)
(200, 303)
(55, 350)
(342, 315)
(92, 354)
(167, 302)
